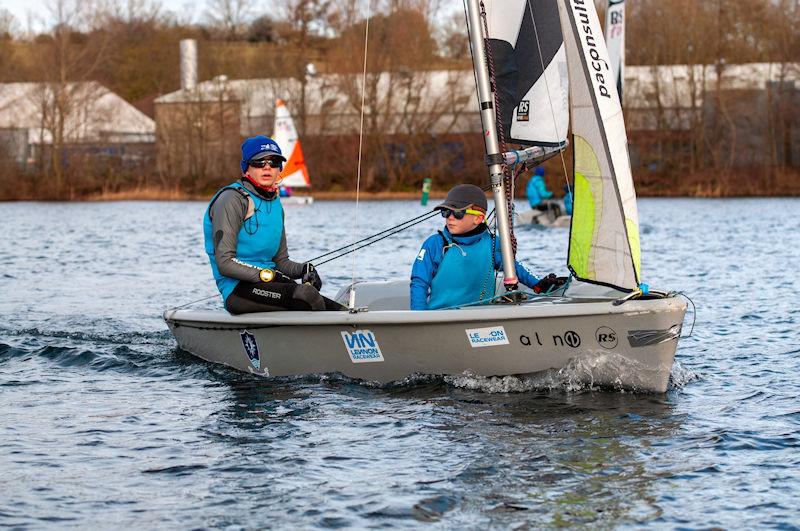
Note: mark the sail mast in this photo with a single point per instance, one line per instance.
(494, 158)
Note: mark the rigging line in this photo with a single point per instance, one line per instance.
(426, 215)
(547, 87)
(374, 241)
(360, 143)
(405, 225)
(193, 302)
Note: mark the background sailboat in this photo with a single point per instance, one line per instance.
(295, 173)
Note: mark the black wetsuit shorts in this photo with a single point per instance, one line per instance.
(281, 294)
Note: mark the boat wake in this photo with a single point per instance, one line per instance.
(156, 337)
(591, 372)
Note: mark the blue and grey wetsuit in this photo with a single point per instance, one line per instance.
(455, 270)
(244, 233)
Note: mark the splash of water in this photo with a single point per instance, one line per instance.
(588, 372)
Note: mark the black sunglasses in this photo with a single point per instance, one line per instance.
(272, 161)
(459, 214)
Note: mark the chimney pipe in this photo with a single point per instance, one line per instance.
(188, 64)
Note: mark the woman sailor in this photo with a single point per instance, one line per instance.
(246, 242)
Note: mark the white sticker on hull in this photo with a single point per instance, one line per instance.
(487, 337)
(362, 346)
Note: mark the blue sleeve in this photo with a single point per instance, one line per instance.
(524, 276)
(541, 186)
(543, 191)
(425, 266)
(533, 195)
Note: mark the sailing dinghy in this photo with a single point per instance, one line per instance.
(604, 321)
(549, 213)
(295, 173)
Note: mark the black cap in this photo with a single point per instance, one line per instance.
(462, 196)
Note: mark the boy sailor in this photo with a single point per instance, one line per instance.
(457, 265)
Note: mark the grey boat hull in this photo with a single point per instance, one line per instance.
(638, 336)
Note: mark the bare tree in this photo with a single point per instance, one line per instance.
(69, 58)
(229, 17)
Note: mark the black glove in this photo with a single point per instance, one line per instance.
(311, 276)
(549, 283)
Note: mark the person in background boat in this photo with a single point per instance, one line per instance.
(285, 191)
(537, 189)
(567, 200)
(246, 242)
(457, 265)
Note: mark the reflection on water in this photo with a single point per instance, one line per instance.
(103, 422)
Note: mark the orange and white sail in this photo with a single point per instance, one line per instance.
(295, 173)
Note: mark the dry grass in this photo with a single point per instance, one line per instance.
(149, 193)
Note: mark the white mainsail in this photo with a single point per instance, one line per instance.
(295, 173)
(530, 70)
(604, 235)
(615, 41)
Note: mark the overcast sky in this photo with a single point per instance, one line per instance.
(35, 12)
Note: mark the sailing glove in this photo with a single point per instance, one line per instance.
(549, 283)
(311, 276)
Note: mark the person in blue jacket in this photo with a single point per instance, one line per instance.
(567, 200)
(457, 265)
(246, 242)
(537, 189)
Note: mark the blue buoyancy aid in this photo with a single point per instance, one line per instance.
(568, 202)
(257, 242)
(466, 273)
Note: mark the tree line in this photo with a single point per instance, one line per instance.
(132, 49)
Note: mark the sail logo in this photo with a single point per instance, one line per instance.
(487, 337)
(597, 62)
(523, 111)
(362, 346)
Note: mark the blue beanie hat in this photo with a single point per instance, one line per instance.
(539, 171)
(259, 147)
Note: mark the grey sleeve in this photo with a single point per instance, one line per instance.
(227, 215)
(283, 264)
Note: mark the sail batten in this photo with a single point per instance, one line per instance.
(604, 234)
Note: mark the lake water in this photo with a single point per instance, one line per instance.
(103, 423)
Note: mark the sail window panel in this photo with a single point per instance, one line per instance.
(530, 71)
